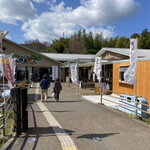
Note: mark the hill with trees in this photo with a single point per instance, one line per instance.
(86, 43)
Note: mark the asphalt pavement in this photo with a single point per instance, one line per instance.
(74, 123)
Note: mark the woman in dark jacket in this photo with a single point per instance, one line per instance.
(57, 88)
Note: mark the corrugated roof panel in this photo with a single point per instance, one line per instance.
(124, 51)
(67, 57)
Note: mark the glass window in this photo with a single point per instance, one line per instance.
(21, 73)
(122, 69)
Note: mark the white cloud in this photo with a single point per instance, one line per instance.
(106, 32)
(45, 1)
(54, 1)
(39, 1)
(104, 12)
(91, 13)
(12, 11)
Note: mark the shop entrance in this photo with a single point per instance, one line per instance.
(43, 71)
(107, 73)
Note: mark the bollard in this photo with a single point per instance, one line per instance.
(24, 113)
(15, 97)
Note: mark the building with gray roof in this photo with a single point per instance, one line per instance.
(61, 57)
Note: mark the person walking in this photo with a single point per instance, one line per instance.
(103, 85)
(31, 80)
(44, 84)
(57, 88)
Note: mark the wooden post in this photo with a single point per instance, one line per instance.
(69, 74)
(63, 75)
(60, 72)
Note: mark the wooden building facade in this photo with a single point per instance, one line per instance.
(29, 62)
(119, 59)
(142, 80)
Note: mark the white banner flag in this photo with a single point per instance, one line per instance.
(74, 73)
(54, 72)
(97, 67)
(130, 73)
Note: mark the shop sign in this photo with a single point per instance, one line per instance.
(54, 72)
(32, 59)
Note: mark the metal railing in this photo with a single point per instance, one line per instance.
(136, 102)
(5, 107)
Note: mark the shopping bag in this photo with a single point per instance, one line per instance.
(53, 94)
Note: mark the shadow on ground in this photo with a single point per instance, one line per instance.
(91, 136)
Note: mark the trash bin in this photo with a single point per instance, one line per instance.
(127, 103)
(122, 101)
(124, 96)
(142, 107)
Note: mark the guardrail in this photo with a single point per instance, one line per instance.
(136, 102)
(136, 109)
(5, 107)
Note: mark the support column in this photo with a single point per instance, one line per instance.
(69, 73)
(78, 76)
(63, 74)
(60, 72)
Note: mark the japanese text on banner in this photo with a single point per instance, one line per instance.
(97, 67)
(130, 73)
(74, 73)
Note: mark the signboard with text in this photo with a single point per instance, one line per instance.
(54, 72)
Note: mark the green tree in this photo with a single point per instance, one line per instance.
(90, 43)
(75, 44)
(112, 41)
(123, 42)
(84, 39)
(143, 42)
(135, 35)
(98, 40)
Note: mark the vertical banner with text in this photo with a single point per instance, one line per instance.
(6, 63)
(130, 73)
(74, 73)
(54, 72)
(97, 67)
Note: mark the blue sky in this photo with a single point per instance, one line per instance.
(46, 20)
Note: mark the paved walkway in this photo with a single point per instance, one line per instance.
(106, 100)
(76, 124)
